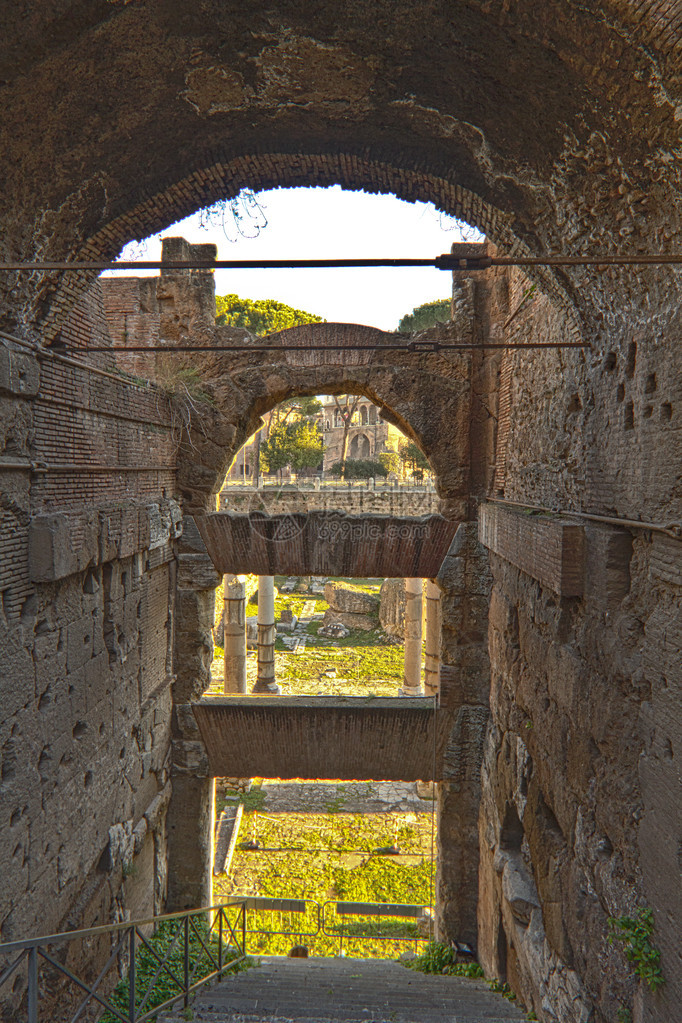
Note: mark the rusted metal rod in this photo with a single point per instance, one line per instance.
(411, 346)
(673, 529)
(446, 261)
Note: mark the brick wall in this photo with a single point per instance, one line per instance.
(87, 582)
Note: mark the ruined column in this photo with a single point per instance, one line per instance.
(234, 625)
(413, 638)
(265, 682)
(432, 652)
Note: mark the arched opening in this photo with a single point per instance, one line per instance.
(360, 446)
(552, 134)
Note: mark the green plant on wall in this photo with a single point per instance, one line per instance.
(634, 933)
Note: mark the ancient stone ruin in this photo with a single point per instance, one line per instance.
(553, 561)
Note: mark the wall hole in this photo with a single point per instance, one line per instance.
(44, 763)
(79, 729)
(650, 385)
(666, 412)
(45, 699)
(620, 393)
(87, 780)
(511, 835)
(631, 360)
(629, 416)
(610, 362)
(648, 411)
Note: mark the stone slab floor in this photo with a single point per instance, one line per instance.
(282, 990)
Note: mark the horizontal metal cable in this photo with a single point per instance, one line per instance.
(423, 347)
(446, 261)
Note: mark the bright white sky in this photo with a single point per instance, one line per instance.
(329, 222)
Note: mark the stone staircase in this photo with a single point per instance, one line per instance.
(316, 990)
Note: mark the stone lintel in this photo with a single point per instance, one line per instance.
(546, 548)
(61, 544)
(326, 543)
(349, 738)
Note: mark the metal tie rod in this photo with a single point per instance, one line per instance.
(446, 261)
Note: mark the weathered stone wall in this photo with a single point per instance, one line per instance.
(352, 501)
(87, 580)
(464, 580)
(580, 779)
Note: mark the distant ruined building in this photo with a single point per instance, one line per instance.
(368, 436)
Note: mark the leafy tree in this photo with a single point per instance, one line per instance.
(297, 444)
(390, 461)
(346, 407)
(294, 408)
(260, 316)
(413, 458)
(358, 469)
(426, 315)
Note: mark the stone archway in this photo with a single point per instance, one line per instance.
(270, 98)
(429, 396)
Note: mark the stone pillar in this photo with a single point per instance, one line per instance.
(432, 658)
(234, 624)
(189, 825)
(265, 682)
(413, 638)
(465, 582)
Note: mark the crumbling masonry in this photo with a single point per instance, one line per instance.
(553, 128)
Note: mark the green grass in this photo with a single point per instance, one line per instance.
(366, 663)
(330, 857)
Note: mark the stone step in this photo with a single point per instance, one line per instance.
(347, 990)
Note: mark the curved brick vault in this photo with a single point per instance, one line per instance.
(549, 128)
(552, 126)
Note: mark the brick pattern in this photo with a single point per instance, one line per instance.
(227, 175)
(85, 691)
(549, 550)
(326, 543)
(323, 737)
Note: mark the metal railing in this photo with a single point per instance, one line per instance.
(365, 913)
(321, 918)
(200, 944)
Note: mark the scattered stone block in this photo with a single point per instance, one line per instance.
(350, 619)
(343, 598)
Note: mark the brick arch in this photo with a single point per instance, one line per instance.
(427, 395)
(381, 173)
(508, 116)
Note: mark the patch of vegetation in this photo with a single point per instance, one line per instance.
(502, 989)
(426, 315)
(252, 800)
(321, 858)
(439, 957)
(634, 933)
(165, 987)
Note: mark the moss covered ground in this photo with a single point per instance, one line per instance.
(330, 857)
(361, 664)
